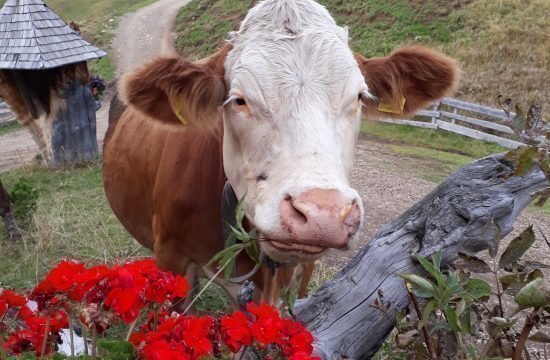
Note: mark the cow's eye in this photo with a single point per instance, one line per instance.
(360, 96)
(240, 101)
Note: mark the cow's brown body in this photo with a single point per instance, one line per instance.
(167, 186)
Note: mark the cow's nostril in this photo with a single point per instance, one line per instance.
(295, 213)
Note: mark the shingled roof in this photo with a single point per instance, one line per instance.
(32, 37)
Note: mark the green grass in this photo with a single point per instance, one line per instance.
(72, 219)
(10, 128)
(384, 24)
(428, 138)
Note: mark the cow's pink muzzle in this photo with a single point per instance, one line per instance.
(318, 219)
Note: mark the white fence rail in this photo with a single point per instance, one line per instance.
(6, 116)
(472, 120)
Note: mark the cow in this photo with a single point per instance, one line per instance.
(275, 113)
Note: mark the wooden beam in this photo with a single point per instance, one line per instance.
(470, 212)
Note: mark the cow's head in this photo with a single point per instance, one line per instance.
(292, 92)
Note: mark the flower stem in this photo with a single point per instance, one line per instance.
(155, 320)
(45, 342)
(94, 343)
(85, 337)
(131, 329)
(529, 324)
(431, 350)
(71, 334)
(3, 353)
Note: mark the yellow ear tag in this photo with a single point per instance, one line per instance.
(391, 108)
(178, 112)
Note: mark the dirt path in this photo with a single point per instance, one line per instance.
(146, 33)
(140, 36)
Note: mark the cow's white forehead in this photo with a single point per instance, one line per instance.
(291, 45)
(287, 18)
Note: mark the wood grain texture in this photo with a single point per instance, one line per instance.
(470, 212)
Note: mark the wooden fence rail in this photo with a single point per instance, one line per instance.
(464, 118)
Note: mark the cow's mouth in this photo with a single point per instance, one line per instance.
(308, 249)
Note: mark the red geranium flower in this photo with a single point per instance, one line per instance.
(162, 350)
(87, 279)
(125, 302)
(196, 335)
(61, 278)
(298, 338)
(22, 341)
(236, 331)
(268, 325)
(12, 299)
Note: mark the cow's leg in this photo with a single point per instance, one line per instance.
(306, 277)
(284, 279)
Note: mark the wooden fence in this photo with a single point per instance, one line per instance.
(472, 120)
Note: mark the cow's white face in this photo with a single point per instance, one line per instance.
(290, 127)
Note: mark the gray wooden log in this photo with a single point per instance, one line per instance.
(7, 214)
(471, 211)
(74, 137)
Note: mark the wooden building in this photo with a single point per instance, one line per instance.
(45, 81)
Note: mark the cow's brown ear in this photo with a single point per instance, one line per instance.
(174, 90)
(407, 80)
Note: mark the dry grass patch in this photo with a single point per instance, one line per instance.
(504, 48)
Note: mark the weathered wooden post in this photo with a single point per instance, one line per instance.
(45, 81)
(7, 214)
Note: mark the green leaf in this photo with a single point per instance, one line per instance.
(452, 319)
(223, 256)
(253, 251)
(466, 321)
(432, 268)
(517, 247)
(471, 263)
(513, 283)
(426, 313)
(535, 294)
(425, 286)
(477, 288)
(540, 337)
(523, 158)
(289, 297)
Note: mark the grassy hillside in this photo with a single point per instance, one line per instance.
(503, 45)
(98, 20)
